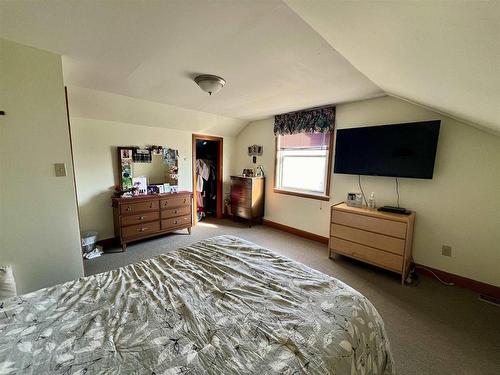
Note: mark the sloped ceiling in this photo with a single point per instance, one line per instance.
(272, 60)
(441, 54)
(100, 105)
(276, 56)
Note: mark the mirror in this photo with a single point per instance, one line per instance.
(148, 170)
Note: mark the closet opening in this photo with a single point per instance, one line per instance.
(207, 176)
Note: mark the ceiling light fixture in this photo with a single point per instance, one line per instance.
(210, 83)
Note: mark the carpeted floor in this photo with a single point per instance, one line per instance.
(433, 328)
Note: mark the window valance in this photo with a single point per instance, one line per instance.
(320, 120)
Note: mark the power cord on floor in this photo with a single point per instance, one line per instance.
(412, 272)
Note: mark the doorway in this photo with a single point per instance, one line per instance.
(207, 176)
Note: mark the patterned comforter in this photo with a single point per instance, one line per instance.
(220, 306)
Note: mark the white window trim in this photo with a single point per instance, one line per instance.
(325, 196)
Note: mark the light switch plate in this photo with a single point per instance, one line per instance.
(60, 169)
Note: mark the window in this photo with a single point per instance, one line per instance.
(303, 164)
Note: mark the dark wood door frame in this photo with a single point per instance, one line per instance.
(220, 198)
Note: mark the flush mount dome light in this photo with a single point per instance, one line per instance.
(210, 83)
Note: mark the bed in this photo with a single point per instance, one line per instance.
(220, 306)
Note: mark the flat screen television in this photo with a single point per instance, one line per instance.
(399, 150)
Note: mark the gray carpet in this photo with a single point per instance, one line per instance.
(433, 329)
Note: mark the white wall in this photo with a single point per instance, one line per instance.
(96, 163)
(38, 219)
(460, 206)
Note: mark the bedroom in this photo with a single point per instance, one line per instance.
(129, 70)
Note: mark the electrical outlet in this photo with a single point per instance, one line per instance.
(60, 169)
(446, 250)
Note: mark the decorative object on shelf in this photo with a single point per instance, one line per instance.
(260, 171)
(153, 189)
(354, 199)
(248, 172)
(141, 184)
(315, 120)
(371, 201)
(210, 83)
(119, 192)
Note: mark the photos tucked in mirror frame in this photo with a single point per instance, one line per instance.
(130, 184)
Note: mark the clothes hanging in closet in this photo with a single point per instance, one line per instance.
(206, 185)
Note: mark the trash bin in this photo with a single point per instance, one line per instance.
(88, 241)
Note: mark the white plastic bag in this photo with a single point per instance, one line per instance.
(7, 283)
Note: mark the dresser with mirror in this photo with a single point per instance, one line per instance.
(147, 201)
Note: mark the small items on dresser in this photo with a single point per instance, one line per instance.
(247, 197)
(354, 200)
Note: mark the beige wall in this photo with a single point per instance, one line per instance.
(96, 164)
(459, 207)
(38, 217)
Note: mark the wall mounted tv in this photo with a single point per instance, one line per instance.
(399, 150)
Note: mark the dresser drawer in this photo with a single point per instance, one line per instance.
(139, 218)
(379, 241)
(241, 182)
(176, 202)
(368, 254)
(241, 194)
(180, 211)
(139, 207)
(372, 224)
(241, 202)
(243, 212)
(176, 222)
(141, 229)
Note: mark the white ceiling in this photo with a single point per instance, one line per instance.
(441, 54)
(272, 60)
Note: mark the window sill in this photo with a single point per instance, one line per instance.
(303, 195)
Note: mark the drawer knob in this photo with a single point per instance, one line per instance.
(129, 208)
(175, 222)
(142, 229)
(141, 217)
(175, 211)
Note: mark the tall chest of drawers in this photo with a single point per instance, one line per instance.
(379, 238)
(247, 197)
(146, 216)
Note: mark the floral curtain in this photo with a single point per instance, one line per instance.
(321, 120)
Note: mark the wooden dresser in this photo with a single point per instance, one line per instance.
(379, 238)
(151, 215)
(247, 197)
